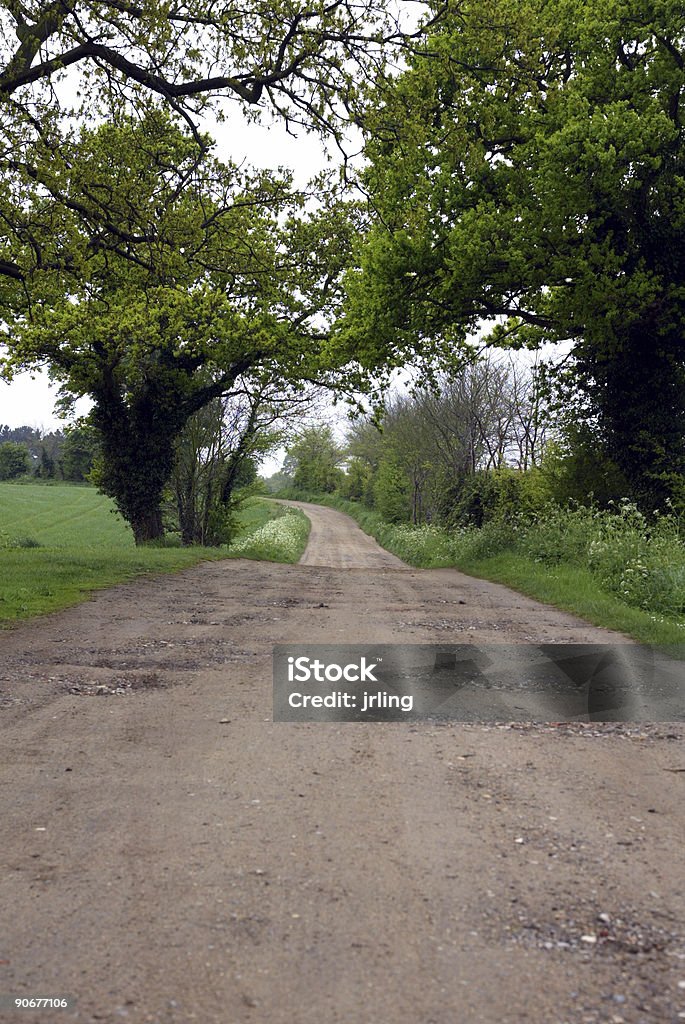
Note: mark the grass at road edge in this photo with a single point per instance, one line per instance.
(58, 544)
(282, 538)
(565, 586)
(575, 590)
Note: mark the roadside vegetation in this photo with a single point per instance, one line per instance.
(636, 587)
(59, 543)
(282, 538)
(494, 481)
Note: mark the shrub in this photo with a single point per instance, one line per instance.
(14, 460)
(279, 540)
(499, 494)
(577, 467)
(557, 535)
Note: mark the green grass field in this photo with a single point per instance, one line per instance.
(58, 543)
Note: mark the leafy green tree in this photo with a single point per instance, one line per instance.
(391, 490)
(313, 460)
(527, 171)
(79, 451)
(47, 469)
(357, 481)
(203, 274)
(14, 460)
(575, 468)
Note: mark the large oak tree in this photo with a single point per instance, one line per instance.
(201, 274)
(527, 170)
(66, 63)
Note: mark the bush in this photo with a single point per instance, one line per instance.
(8, 543)
(577, 470)
(472, 543)
(499, 494)
(25, 542)
(640, 560)
(558, 535)
(425, 546)
(280, 540)
(14, 460)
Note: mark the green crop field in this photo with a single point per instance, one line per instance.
(61, 516)
(58, 543)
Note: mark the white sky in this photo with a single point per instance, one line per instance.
(28, 402)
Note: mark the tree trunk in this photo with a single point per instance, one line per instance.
(137, 459)
(639, 393)
(148, 526)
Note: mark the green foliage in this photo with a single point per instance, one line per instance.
(498, 494)
(357, 482)
(313, 460)
(577, 470)
(14, 460)
(301, 66)
(529, 164)
(282, 538)
(416, 456)
(78, 452)
(612, 567)
(47, 470)
(277, 482)
(391, 490)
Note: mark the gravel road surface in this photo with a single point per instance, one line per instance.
(169, 854)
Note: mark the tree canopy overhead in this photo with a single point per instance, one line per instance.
(527, 170)
(69, 63)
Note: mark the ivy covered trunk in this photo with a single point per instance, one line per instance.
(137, 455)
(637, 387)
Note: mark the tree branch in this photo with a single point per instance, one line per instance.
(12, 79)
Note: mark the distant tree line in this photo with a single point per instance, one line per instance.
(48, 455)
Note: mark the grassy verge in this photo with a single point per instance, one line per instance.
(575, 590)
(60, 543)
(605, 569)
(282, 538)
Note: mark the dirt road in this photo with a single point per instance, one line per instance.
(169, 854)
(336, 541)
